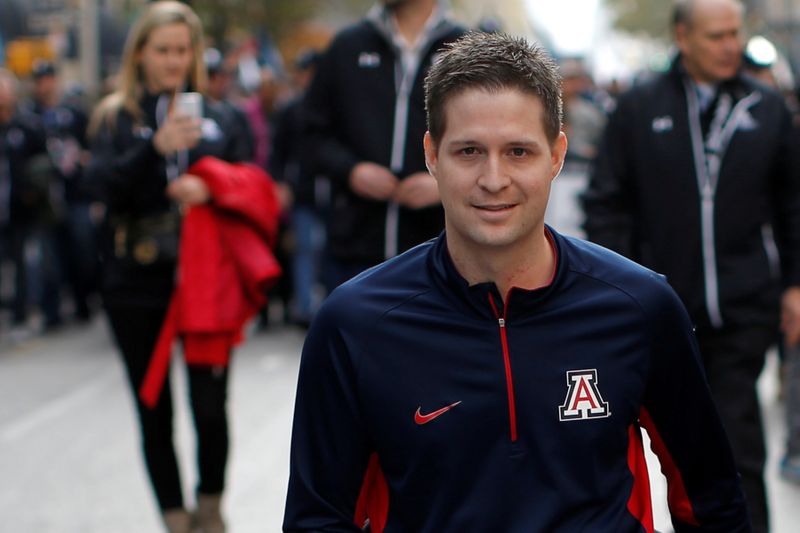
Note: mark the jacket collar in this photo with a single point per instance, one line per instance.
(736, 86)
(475, 299)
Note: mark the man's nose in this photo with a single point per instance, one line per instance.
(494, 177)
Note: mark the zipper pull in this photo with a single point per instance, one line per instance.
(502, 322)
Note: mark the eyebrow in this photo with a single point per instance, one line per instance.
(470, 142)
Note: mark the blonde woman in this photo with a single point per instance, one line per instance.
(143, 143)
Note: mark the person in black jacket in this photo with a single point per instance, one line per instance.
(74, 230)
(24, 188)
(142, 146)
(307, 194)
(694, 180)
(366, 119)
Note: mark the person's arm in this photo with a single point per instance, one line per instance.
(785, 181)
(330, 445)
(330, 157)
(608, 202)
(686, 433)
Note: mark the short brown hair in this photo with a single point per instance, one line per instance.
(493, 62)
(683, 12)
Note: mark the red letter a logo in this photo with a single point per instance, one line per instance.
(583, 398)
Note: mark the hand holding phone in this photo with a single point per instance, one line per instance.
(182, 129)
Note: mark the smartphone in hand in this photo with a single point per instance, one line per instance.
(189, 104)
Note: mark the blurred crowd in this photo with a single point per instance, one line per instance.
(51, 217)
(50, 223)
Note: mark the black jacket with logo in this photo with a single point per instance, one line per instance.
(350, 117)
(723, 252)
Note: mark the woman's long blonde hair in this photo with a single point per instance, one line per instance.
(131, 81)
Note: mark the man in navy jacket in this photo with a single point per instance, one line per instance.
(497, 378)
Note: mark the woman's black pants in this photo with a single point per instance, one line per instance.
(135, 331)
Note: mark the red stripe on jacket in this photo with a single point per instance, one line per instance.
(225, 265)
(640, 504)
(679, 504)
(373, 501)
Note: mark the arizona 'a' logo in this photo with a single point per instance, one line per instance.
(583, 397)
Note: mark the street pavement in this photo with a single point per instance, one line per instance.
(69, 449)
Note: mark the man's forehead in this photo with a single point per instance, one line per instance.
(709, 13)
(468, 112)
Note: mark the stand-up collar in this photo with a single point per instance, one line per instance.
(475, 299)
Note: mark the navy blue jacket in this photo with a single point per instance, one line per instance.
(515, 418)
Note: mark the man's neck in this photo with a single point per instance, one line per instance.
(527, 268)
(411, 17)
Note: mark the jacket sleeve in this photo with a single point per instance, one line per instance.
(679, 415)
(785, 184)
(331, 156)
(608, 201)
(330, 447)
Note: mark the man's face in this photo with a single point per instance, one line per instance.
(45, 88)
(711, 45)
(494, 165)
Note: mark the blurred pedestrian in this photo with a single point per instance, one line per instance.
(694, 180)
(497, 378)
(309, 195)
(150, 148)
(26, 175)
(584, 121)
(219, 90)
(74, 235)
(365, 119)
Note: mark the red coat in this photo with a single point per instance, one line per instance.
(225, 265)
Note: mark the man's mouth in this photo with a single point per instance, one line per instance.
(495, 207)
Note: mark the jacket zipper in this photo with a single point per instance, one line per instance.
(512, 410)
(707, 170)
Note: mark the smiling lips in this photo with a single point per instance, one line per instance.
(499, 207)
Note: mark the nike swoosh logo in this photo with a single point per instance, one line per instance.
(420, 419)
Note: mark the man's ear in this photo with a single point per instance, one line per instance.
(679, 35)
(430, 153)
(558, 151)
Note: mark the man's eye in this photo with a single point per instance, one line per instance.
(470, 150)
(518, 152)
